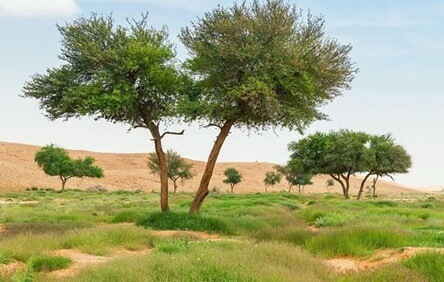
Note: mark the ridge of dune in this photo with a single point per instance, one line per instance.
(124, 171)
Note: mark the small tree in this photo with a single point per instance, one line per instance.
(233, 177)
(177, 168)
(301, 181)
(271, 178)
(384, 158)
(55, 161)
(329, 184)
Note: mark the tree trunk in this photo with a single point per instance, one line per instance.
(374, 185)
(289, 187)
(232, 186)
(154, 129)
(175, 185)
(203, 191)
(361, 189)
(63, 183)
(299, 189)
(344, 186)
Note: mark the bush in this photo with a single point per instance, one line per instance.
(49, 263)
(184, 221)
(430, 264)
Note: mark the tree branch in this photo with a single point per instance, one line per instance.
(172, 133)
(213, 124)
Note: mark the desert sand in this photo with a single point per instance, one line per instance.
(130, 172)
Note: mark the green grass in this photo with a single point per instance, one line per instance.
(184, 221)
(430, 264)
(356, 241)
(49, 263)
(272, 235)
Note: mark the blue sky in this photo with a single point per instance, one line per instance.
(397, 45)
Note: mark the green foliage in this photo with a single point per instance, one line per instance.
(295, 175)
(49, 263)
(55, 161)
(344, 153)
(184, 221)
(264, 64)
(232, 177)
(177, 167)
(430, 264)
(121, 74)
(271, 178)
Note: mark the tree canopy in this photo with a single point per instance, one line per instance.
(232, 177)
(345, 153)
(271, 178)
(178, 168)
(261, 66)
(123, 74)
(55, 161)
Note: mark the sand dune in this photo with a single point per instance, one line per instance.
(129, 172)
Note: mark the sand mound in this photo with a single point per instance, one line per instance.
(130, 172)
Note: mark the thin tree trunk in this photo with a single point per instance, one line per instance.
(203, 191)
(175, 185)
(361, 189)
(289, 187)
(299, 189)
(154, 129)
(63, 183)
(374, 185)
(232, 186)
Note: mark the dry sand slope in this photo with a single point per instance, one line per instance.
(130, 172)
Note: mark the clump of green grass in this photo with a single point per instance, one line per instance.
(334, 220)
(101, 239)
(172, 246)
(128, 216)
(430, 264)
(185, 221)
(294, 235)
(355, 241)
(4, 259)
(49, 263)
(393, 272)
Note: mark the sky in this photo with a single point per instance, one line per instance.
(398, 47)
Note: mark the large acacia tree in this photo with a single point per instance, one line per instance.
(261, 66)
(123, 74)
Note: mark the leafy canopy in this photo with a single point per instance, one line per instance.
(263, 65)
(233, 176)
(121, 74)
(55, 161)
(177, 167)
(272, 178)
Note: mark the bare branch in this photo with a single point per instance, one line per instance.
(172, 133)
(213, 124)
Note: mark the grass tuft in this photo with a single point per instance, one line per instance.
(430, 264)
(49, 263)
(184, 221)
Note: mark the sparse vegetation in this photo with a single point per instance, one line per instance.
(262, 225)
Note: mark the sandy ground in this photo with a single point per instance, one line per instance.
(130, 172)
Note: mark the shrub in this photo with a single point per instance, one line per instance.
(49, 263)
(4, 259)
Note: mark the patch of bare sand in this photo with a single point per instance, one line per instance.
(378, 259)
(82, 260)
(9, 269)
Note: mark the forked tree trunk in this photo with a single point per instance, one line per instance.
(361, 189)
(63, 183)
(175, 185)
(232, 186)
(154, 129)
(374, 185)
(344, 185)
(203, 191)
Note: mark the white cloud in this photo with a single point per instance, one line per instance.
(38, 8)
